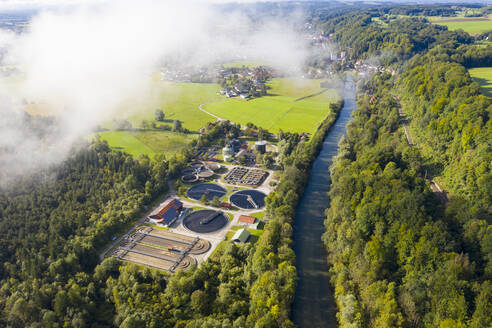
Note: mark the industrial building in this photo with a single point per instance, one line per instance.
(168, 214)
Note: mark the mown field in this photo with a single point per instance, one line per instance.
(472, 25)
(147, 142)
(294, 105)
(483, 75)
(179, 101)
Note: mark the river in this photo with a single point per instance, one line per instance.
(314, 305)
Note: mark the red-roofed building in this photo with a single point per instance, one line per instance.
(248, 221)
(168, 214)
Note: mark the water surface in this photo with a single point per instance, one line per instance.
(314, 305)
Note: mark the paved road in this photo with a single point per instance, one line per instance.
(208, 113)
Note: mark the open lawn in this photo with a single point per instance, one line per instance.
(294, 105)
(472, 25)
(178, 101)
(483, 75)
(147, 142)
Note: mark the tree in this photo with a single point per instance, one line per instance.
(204, 199)
(159, 115)
(215, 201)
(177, 126)
(145, 124)
(241, 159)
(122, 124)
(199, 301)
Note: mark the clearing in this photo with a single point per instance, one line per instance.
(472, 25)
(147, 142)
(483, 76)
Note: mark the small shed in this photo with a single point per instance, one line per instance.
(241, 236)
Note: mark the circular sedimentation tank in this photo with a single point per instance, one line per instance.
(188, 170)
(189, 178)
(213, 166)
(205, 221)
(205, 174)
(248, 199)
(210, 190)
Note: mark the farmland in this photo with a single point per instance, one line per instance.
(483, 75)
(283, 108)
(179, 101)
(292, 104)
(147, 142)
(472, 25)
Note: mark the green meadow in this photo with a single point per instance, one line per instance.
(147, 142)
(292, 104)
(295, 105)
(471, 26)
(178, 101)
(483, 75)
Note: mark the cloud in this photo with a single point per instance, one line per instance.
(86, 60)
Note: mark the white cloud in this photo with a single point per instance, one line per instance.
(86, 60)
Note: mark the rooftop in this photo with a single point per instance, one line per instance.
(246, 219)
(241, 236)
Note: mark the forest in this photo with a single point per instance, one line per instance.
(399, 256)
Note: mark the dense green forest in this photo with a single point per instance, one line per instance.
(398, 255)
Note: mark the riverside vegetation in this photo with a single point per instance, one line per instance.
(399, 256)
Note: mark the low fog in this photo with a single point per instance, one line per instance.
(85, 61)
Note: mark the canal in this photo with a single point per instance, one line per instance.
(314, 305)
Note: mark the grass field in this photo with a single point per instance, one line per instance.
(179, 101)
(471, 25)
(483, 75)
(147, 142)
(282, 109)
